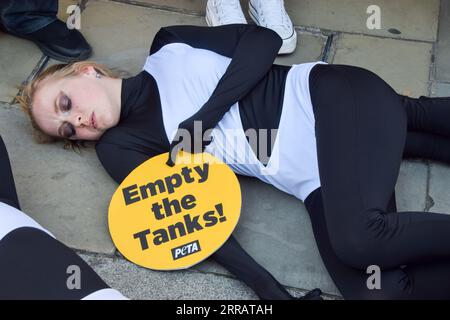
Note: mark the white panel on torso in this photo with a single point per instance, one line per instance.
(186, 78)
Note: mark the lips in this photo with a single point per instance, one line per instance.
(93, 121)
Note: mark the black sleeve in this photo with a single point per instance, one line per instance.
(119, 162)
(252, 50)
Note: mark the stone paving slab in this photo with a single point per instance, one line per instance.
(65, 192)
(405, 65)
(411, 187)
(125, 48)
(415, 19)
(443, 44)
(440, 89)
(439, 187)
(18, 57)
(188, 6)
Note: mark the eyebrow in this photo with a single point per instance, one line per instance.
(59, 131)
(56, 102)
(57, 111)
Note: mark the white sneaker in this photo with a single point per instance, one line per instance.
(220, 12)
(272, 14)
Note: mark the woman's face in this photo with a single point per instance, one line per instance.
(80, 107)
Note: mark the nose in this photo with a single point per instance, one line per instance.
(81, 120)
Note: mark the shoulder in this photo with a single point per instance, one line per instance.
(162, 37)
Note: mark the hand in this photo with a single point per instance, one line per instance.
(184, 139)
(174, 149)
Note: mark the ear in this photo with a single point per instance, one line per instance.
(87, 71)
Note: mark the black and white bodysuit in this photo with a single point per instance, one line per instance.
(33, 264)
(342, 134)
(225, 77)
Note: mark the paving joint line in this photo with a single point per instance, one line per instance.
(157, 7)
(382, 37)
(327, 48)
(36, 70)
(429, 201)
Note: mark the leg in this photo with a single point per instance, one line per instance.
(428, 146)
(7, 187)
(238, 262)
(431, 115)
(361, 130)
(409, 282)
(27, 16)
(37, 21)
(33, 265)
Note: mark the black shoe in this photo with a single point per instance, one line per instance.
(59, 42)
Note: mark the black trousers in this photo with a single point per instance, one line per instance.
(27, 16)
(363, 129)
(33, 265)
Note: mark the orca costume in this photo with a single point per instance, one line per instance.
(342, 132)
(33, 264)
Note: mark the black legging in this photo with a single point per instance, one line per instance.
(363, 128)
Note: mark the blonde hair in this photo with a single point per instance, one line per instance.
(57, 71)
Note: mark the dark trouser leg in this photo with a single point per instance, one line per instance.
(426, 281)
(234, 258)
(361, 127)
(8, 193)
(27, 16)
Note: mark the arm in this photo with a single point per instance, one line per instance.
(252, 50)
(119, 161)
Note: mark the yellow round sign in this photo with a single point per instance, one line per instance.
(168, 218)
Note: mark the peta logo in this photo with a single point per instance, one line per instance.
(186, 249)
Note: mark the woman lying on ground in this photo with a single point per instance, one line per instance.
(342, 132)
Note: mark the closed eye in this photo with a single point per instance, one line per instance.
(65, 103)
(67, 130)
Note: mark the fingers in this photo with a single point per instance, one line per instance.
(173, 151)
